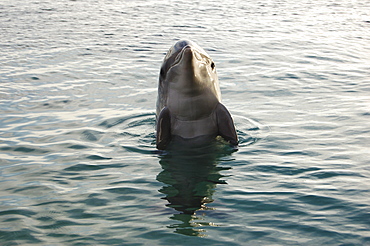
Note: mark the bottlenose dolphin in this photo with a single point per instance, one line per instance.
(188, 103)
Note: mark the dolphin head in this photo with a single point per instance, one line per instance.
(187, 71)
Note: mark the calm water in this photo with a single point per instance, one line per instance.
(78, 164)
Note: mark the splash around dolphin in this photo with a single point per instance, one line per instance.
(188, 103)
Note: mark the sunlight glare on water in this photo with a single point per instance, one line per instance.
(78, 163)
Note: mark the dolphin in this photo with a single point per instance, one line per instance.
(188, 103)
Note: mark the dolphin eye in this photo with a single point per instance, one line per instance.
(213, 65)
(161, 73)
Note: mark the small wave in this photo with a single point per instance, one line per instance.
(327, 174)
(128, 121)
(318, 200)
(91, 135)
(25, 149)
(23, 212)
(249, 131)
(91, 167)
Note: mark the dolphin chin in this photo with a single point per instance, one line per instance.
(188, 104)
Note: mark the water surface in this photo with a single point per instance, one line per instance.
(78, 163)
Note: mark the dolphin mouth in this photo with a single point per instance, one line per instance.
(187, 50)
(180, 55)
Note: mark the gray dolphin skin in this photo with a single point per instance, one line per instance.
(188, 104)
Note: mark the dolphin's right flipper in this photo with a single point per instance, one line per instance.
(163, 129)
(225, 123)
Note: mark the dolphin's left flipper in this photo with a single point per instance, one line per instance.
(225, 123)
(163, 129)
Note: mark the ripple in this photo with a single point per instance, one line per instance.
(81, 213)
(284, 170)
(90, 167)
(249, 131)
(24, 212)
(91, 135)
(98, 157)
(22, 235)
(78, 146)
(327, 174)
(58, 224)
(128, 121)
(77, 125)
(317, 200)
(24, 149)
(126, 190)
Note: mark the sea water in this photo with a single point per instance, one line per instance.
(78, 163)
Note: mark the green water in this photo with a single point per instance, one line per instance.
(78, 163)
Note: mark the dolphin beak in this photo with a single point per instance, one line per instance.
(190, 50)
(187, 55)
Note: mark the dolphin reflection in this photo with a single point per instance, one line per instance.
(190, 176)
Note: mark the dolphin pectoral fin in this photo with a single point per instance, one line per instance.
(163, 129)
(225, 123)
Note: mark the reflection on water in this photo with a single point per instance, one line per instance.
(190, 175)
